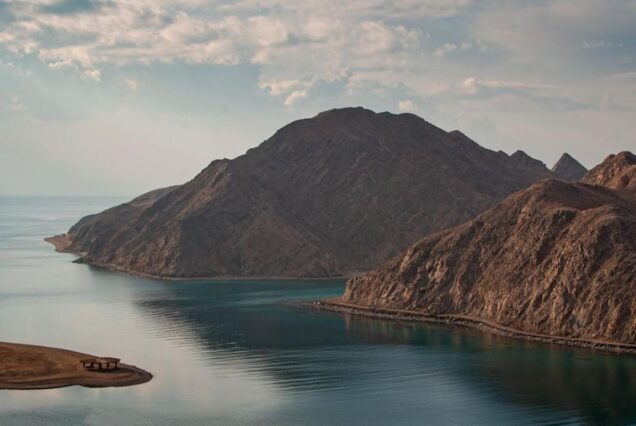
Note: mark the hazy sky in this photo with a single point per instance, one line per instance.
(118, 97)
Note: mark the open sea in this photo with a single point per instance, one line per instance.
(233, 353)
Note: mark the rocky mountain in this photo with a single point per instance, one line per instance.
(328, 196)
(556, 259)
(568, 169)
(617, 172)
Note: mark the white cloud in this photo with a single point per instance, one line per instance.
(396, 9)
(473, 86)
(294, 96)
(361, 43)
(291, 90)
(280, 87)
(92, 74)
(309, 41)
(407, 105)
(266, 31)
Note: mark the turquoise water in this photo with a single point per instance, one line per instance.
(233, 353)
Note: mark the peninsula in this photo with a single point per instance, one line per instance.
(328, 196)
(40, 367)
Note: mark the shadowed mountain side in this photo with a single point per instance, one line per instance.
(557, 259)
(328, 196)
(568, 169)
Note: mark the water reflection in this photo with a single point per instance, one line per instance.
(313, 351)
(234, 353)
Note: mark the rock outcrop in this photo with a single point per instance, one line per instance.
(568, 168)
(556, 259)
(336, 194)
(617, 172)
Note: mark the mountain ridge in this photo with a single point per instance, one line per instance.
(557, 259)
(331, 195)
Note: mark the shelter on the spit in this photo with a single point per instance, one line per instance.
(100, 363)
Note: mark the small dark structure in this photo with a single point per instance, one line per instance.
(101, 363)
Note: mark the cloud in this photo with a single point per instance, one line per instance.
(464, 46)
(92, 74)
(474, 86)
(359, 43)
(407, 105)
(309, 41)
(550, 33)
(294, 96)
(361, 9)
(291, 90)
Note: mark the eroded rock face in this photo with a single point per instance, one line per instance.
(617, 172)
(569, 169)
(332, 195)
(557, 258)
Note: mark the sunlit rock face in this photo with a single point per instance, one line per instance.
(557, 258)
(617, 172)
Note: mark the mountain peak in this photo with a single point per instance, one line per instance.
(522, 159)
(359, 112)
(568, 168)
(325, 196)
(618, 171)
(346, 111)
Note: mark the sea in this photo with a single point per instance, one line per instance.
(243, 353)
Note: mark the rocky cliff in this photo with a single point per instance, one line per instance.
(568, 168)
(557, 259)
(338, 193)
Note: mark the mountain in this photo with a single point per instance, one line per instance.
(568, 169)
(339, 193)
(617, 172)
(557, 259)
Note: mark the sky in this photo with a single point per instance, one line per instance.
(119, 97)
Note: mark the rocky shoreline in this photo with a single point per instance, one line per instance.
(336, 305)
(24, 367)
(63, 241)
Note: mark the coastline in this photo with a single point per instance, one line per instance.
(337, 305)
(61, 243)
(28, 367)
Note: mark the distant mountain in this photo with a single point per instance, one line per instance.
(339, 193)
(568, 169)
(556, 259)
(617, 172)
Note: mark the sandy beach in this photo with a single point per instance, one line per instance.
(39, 367)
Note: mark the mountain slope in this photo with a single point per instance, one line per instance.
(568, 169)
(327, 196)
(617, 172)
(555, 259)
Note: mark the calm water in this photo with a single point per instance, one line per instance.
(232, 353)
